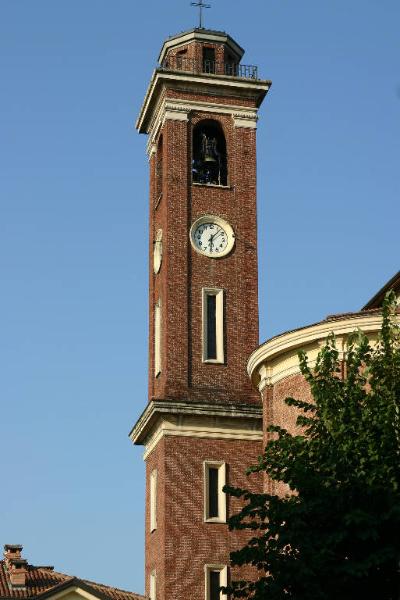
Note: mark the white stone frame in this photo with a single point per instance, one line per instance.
(221, 466)
(219, 326)
(223, 570)
(217, 221)
(153, 585)
(157, 338)
(153, 500)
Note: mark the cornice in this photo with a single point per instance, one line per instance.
(277, 358)
(207, 82)
(201, 414)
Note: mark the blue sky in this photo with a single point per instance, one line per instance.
(73, 233)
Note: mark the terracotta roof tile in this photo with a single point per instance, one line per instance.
(44, 580)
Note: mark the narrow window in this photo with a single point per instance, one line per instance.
(214, 497)
(211, 349)
(214, 585)
(213, 325)
(208, 60)
(152, 586)
(181, 60)
(159, 171)
(213, 492)
(153, 500)
(157, 338)
(216, 577)
(230, 65)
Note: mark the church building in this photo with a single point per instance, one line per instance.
(212, 390)
(204, 421)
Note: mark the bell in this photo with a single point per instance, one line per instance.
(209, 147)
(209, 158)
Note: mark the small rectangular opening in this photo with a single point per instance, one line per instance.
(213, 325)
(157, 338)
(216, 577)
(152, 586)
(153, 500)
(180, 59)
(208, 60)
(214, 585)
(213, 492)
(214, 497)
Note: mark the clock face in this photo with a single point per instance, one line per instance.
(212, 236)
(157, 252)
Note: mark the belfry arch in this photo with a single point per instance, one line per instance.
(209, 154)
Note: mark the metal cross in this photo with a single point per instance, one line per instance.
(201, 5)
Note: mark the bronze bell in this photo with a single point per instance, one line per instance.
(208, 157)
(209, 147)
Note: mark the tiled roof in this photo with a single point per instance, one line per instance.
(377, 300)
(44, 581)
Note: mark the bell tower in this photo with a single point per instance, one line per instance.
(203, 423)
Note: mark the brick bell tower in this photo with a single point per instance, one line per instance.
(203, 424)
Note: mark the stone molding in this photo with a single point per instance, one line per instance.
(197, 83)
(176, 110)
(189, 419)
(278, 358)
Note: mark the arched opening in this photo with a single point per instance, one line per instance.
(209, 164)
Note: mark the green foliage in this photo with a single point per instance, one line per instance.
(336, 534)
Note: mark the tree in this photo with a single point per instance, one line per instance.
(336, 534)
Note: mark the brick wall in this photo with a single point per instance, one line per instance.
(183, 543)
(277, 412)
(184, 272)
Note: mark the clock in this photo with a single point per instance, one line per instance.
(212, 236)
(157, 252)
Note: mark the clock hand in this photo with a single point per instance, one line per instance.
(210, 242)
(218, 233)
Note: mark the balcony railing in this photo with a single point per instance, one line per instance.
(210, 67)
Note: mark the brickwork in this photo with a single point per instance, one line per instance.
(193, 51)
(184, 272)
(183, 543)
(223, 97)
(277, 412)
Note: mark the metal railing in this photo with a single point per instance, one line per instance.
(210, 67)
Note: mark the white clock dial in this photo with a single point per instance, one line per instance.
(212, 236)
(157, 252)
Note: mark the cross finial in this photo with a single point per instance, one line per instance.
(200, 5)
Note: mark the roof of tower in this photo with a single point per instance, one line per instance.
(44, 582)
(206, 35)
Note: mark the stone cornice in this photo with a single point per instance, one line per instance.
(240, 86)
(277, 358)
(196, 415)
